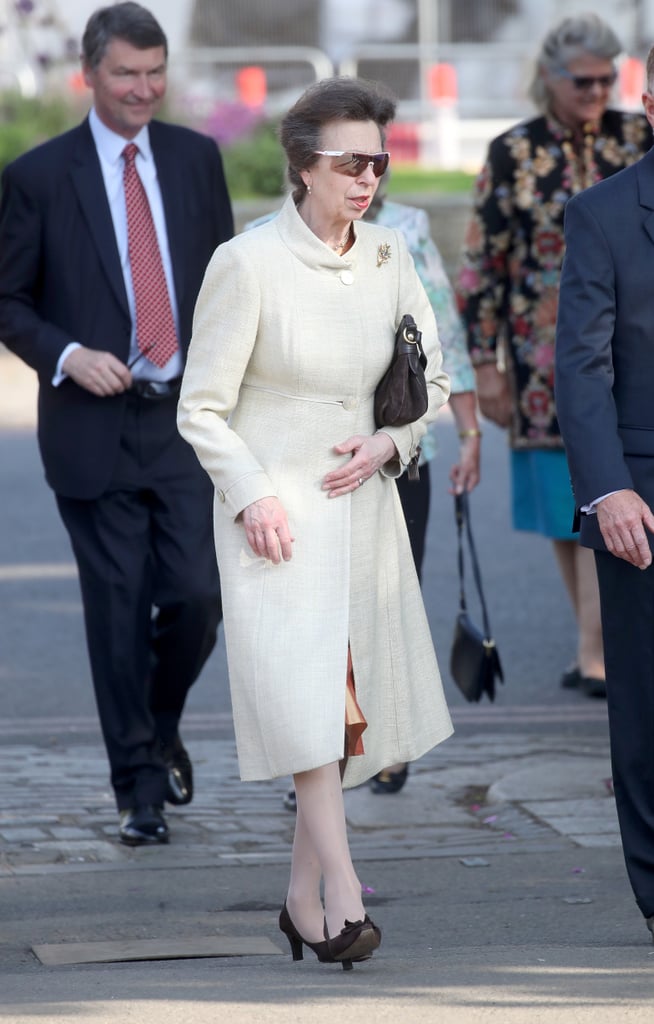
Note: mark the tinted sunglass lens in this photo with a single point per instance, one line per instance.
(350, 163)
(583, 82)
(379, 164)
(359, 163)
(354, 164)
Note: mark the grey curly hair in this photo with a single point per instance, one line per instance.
(578, 34)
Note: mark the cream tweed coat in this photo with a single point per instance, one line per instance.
(289, 342)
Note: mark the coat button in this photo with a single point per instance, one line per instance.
(349, 404)
(346, 276)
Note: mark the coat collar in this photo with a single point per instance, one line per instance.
(86, 176)
(170, 173)
(301, 240)
(645, 174)
(87, 180)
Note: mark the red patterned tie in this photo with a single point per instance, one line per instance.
(155, 325)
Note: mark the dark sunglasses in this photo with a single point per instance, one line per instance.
(585, 82)
(354, 164)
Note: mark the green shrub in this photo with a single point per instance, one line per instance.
(407, 178)
(27, 122)
(255, 166)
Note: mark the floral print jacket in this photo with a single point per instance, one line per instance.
(508, 282)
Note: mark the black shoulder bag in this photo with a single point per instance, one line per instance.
(474, 659)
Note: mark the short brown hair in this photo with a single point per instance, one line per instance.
(332, 99)
(128, 21)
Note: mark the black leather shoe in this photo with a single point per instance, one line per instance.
(571, 678)
(180, 772)
(290, 801)
(389, 782)
(591, 686)
(144, 825)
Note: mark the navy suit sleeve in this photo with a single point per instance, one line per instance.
(22, 329)
(584, 358)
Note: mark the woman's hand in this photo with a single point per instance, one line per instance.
(266, 529)
(464, 474)
(493, 394)
(369, 453)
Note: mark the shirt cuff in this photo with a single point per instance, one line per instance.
(59, 374)
(591, 508)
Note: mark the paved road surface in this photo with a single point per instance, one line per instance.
(496, 874)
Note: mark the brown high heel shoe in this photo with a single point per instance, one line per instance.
(356, 942)
(321, 949)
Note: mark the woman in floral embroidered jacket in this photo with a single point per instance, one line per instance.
(508, 285)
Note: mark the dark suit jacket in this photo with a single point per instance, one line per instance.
(61, 281)
(605, 340)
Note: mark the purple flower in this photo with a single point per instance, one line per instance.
(231, 121)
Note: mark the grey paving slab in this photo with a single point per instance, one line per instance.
(582, 839)
(154, 949)
(473, 795)
(21, 835)
(552, 777)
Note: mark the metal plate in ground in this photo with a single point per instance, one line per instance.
(153, 949)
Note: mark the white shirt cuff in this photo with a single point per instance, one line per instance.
(591, 509)
(59, 374)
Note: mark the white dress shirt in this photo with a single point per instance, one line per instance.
(110, 147)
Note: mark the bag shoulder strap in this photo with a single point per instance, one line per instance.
(462, 516)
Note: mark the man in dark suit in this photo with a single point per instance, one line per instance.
(103, 247)
(605, 404)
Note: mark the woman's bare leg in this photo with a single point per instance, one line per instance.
(577, 567)
(321, 847)
(591, 647)
(565, 556)
(303, 900)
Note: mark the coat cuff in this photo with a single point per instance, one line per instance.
(243, 492)
(407, 441)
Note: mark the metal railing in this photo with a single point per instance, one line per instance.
(491, 77)
(288, 68)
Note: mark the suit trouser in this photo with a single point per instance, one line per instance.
(150, 590)
(627, 599)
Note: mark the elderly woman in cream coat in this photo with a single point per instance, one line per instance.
(294, 327)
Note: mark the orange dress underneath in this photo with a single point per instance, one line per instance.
(355, 723)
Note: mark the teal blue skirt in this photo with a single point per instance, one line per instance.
(542, 499)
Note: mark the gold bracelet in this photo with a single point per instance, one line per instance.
(469, 433)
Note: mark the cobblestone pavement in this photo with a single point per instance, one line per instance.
(480, 794)
(514, 779)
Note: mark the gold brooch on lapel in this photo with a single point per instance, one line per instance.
(383, 253)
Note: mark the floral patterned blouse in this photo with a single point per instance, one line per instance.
(508, 283)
